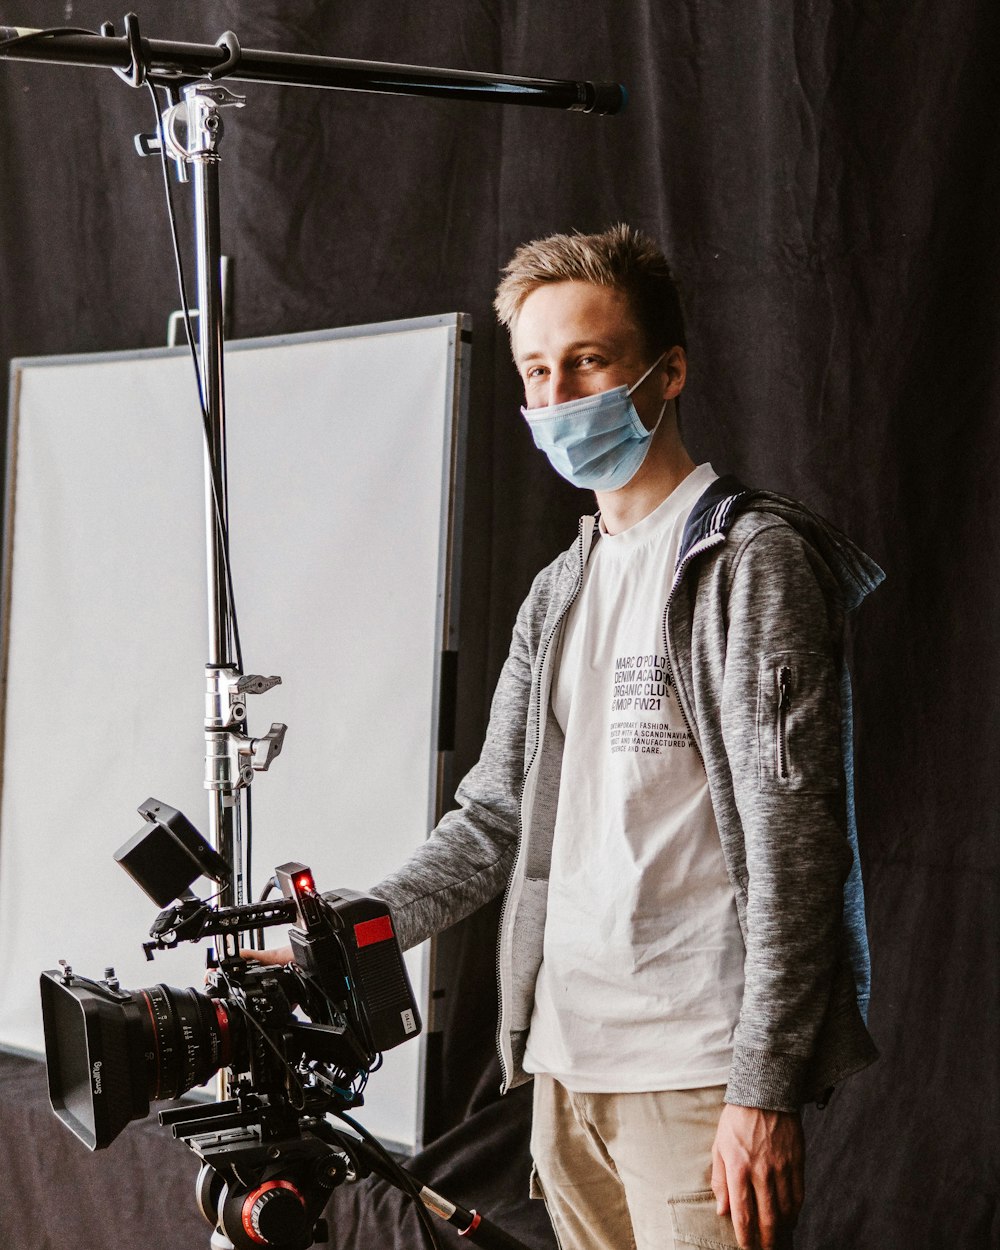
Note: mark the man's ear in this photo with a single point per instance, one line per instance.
(672, 373)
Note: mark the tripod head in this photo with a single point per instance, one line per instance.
(261, 1188)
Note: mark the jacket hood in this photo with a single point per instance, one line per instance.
(727, 497)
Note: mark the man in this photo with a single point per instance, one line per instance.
(663, 793)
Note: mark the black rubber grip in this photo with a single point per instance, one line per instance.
(608, 97)
(487, 1234)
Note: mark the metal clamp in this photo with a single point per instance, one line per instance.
(226, 693)
(199, 110)
(231, 758)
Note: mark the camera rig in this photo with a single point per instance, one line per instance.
(270, 1159)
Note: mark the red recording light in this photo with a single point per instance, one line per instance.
(304, 881)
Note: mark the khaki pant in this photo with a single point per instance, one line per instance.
(628, 1171)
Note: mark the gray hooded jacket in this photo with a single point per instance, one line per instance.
(753, 629)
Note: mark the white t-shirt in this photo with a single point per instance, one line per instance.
(642, 976)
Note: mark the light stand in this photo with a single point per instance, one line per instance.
(190, 72)
(231, 756)
(194, 70)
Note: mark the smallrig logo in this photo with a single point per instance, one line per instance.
(95, 1073)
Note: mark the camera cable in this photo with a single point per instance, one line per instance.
(399, 1177)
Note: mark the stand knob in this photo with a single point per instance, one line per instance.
(267, 747)
(274, 1214)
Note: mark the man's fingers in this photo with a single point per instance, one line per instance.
(742, 1210)
(283, 955)
(768, 1218)
(788, 1180)
(719, 1187)
(784, 1196)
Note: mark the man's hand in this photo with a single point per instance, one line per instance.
(283, 955)
(757, 1174)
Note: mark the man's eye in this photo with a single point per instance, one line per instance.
(535, 372)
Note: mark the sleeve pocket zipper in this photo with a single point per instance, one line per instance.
(784, 703)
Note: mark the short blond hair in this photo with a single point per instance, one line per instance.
(622, 258)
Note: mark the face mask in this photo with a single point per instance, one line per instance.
(596, 442)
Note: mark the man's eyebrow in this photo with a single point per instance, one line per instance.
(576, 346)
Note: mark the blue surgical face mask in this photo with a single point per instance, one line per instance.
(596, 442)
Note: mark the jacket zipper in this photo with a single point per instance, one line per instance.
(784, 703)
(547, 642)
(712, 540)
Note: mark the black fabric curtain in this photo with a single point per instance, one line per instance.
(824, 174)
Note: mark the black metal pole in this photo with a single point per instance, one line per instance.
(223, 812)
(168, 60)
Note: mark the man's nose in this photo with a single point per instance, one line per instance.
(562, 387)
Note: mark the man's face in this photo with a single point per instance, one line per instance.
(573, 339)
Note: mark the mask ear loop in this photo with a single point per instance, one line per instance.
(635, 385)
(635, 415)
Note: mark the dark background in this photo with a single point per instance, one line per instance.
(825, 175)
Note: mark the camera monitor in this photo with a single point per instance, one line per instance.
(168, 854)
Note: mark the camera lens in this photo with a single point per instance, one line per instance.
(187, 1038)
(109, 1053)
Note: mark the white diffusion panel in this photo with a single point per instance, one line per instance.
(340, 472)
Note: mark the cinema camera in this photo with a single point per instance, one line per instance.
(269, 1158)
